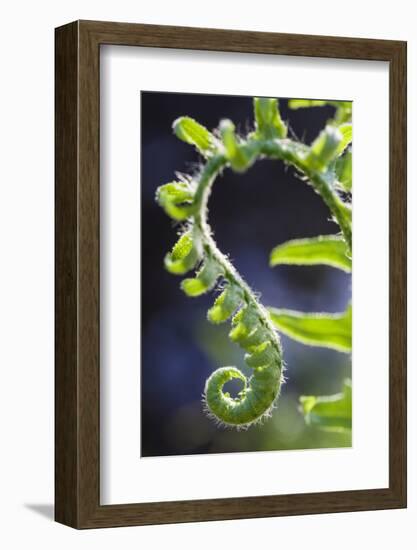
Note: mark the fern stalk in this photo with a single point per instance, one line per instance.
(187, 201)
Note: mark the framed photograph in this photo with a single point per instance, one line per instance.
(230, 323)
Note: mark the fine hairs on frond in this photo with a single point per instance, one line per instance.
(293, 134)
(186, 201)
(260, 421)
(183, 176)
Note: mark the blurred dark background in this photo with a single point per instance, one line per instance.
(250, 213)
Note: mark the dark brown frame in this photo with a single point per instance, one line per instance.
(77, 274)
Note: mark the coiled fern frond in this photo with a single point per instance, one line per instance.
(187, 201)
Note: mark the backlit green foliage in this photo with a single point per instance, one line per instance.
(326, 165)
(330, 412)
(316, 329)
(325, 249)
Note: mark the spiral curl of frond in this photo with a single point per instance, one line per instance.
(196, 249)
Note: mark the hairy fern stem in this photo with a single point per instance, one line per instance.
(241, 411)
(252, 327)
(204, 187)
(285, 150)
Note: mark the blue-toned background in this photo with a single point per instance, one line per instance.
(250, 213)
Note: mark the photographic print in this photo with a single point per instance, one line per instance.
(246, 273)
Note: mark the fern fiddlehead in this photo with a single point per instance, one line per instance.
(187, 201)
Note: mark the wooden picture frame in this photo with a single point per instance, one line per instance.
(77, 372)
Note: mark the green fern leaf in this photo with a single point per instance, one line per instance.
(326, 249)
(316, 329)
